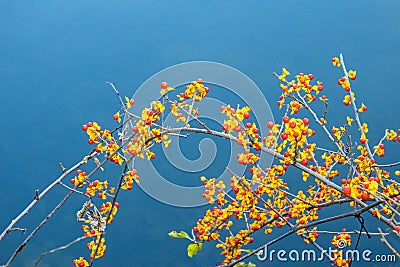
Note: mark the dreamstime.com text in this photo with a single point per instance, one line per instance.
(309, 255)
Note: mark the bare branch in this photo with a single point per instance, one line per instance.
(58, 249)
(41, 195)
(384, 240)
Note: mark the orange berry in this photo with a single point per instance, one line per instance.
(164, 85)
(347, 190)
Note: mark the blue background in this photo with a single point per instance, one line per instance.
(55, 57)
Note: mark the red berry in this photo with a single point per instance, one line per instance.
(270, 124)
(224, 127)
(164, 85)
(246, 115)
(200, 80)
(365, 196)
(304, 162)
(135, 129)
(292, 125)
(249, 125)
(100, 195)
(363, 140)
(304, 132)
(115, 117)
(72, 181)
(381, 146)
(81, 264)
(286, 119)
(132, 102)
(90, 142)
(89, 124)
(148, 122)
(84, 127)
(397, 228)
(237, 128)
(284, 136)
(306, 121)
(310, 76)
(346, 190)
(207, 89)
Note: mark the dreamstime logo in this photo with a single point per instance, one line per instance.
(341, 243)
(236, 85)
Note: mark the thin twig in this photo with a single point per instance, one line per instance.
(353, 103)
(384, 240)
(118, 94)
(57, 249)
(386, 165)
(23, 230)
(62, 167)
(356, 232)
(70, 188)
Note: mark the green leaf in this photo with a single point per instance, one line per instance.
(181, 234)
(243, 264)
(192, 249)
(247, 250)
